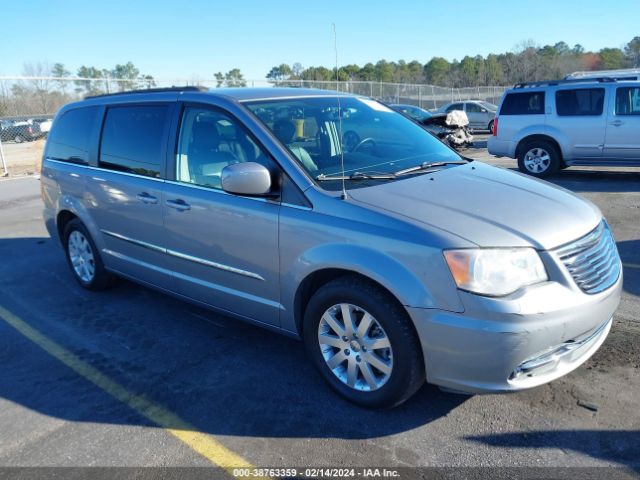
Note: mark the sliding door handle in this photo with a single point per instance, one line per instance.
(144, 197)
(178, 204)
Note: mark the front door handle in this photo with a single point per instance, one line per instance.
(617, 123)
(144, 197)
(178, 204)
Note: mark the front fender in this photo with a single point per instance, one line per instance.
(405, 285)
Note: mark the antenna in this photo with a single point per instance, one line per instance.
(335, 48)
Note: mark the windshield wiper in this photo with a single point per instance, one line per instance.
(357, 176)
(425, 166)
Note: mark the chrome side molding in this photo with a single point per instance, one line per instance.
(184, 256)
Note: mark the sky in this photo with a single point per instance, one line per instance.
(196, 38)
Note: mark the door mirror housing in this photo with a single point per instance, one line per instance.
(246, 178)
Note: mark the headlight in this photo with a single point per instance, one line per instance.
(495, 271)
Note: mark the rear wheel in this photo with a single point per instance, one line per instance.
(84, 259)
(362, 342)
(18, 139)
(490, 126)
(539, 158)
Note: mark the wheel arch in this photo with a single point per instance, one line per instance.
(319, 278)
(389, 276)
(62, 220)
(68, 207)
(537, 137)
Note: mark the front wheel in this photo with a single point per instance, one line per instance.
(490, 126)
(539, 158)
(363, 343)
(18, 139)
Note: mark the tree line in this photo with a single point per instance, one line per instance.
(51, 86)
(528, 62)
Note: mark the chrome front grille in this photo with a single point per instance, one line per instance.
(592, 260)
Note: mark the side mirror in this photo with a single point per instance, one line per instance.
(483, 110)
(247, 178)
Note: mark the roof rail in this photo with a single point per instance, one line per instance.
(544, 83)
(152, 90)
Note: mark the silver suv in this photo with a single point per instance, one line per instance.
(392, 257)
(548, 126)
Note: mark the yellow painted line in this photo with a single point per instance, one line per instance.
(202, 443)
(631, 265)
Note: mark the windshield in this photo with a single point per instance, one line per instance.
(372, 138)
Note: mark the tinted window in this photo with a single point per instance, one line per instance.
(583, 101)
(526, 103)
(209, 141)
(132, 139)
(70, 135)
(628, 101)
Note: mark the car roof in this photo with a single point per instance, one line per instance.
(244, 94)
(240, 94)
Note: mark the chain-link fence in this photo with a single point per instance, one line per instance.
(424, 96)
(27, 104)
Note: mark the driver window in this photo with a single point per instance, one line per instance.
(209, 141)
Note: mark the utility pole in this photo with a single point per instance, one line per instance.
(4, 163)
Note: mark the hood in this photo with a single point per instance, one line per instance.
(487, 206)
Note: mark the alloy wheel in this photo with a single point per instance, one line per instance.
(81, 256)
(537, 160)
(355, 347)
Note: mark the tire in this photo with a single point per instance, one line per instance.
(491, 127)
(401, 364)
(84, 258)
(539, 158)
(18, 139)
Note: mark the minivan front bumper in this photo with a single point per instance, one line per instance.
(510, 344)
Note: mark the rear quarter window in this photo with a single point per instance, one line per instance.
(525, 103)
(132, 139)
(580, 102)
(70, 136)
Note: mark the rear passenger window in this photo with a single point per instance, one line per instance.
(628, 101)
(455, 106)
(580, 102)
(525, 103)
(70, 135)
(132, 139)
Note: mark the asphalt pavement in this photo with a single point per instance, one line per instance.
(132, 377)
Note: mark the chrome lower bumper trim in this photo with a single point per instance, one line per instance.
(548, 360)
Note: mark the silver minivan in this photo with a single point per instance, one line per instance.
(394, 259)
(548, 126)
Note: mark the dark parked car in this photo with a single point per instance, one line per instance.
(19, 131)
